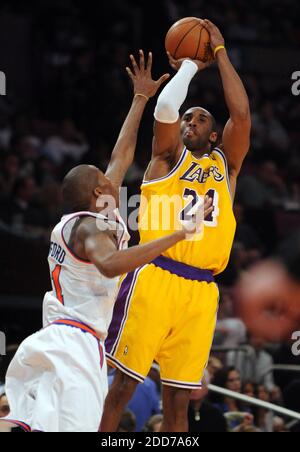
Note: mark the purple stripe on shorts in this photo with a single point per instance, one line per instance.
(183, 270)
(119, 312)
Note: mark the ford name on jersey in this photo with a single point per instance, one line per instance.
(57, 252)
(197, 173)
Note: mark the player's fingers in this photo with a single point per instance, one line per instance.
(207, 212)
(172, 60)
(207, 202)
(130, 74)
(134, 64)
(163, 79)
(142, 61)
(149, 63)
(208, 23)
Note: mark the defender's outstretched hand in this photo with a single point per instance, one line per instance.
(194, 226)
(141, 76)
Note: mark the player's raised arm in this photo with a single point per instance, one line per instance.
(144, 88)
(167, 138)
(236, 136)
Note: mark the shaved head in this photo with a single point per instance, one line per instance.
(79, 186)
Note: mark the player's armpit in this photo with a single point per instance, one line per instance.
(236, 142)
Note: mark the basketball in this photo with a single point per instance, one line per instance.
(187, 38)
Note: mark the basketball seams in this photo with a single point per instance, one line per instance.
(183, 38)
(199, 42)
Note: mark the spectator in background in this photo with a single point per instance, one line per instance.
(9, 174)
(203, 416)
(248, 389)
(154, 375)
(263, 417)
(213, 367)
(127, 423)
(291, 396)
(154, 424)
(279, 425)
(236, 413)
(68, 144)
(145, 403)
(255, 365)
(4, 407)
(227, 378)
(22, 212)
(263, 188)
(4, 411)
(231, 330)
(5, 362)
(247, 236)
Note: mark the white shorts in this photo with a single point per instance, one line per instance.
(57, 382)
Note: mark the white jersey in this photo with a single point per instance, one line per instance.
(80, 292)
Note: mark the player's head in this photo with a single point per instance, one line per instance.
(198, 129)
(82, 188)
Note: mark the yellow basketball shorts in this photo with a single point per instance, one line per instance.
(165, 312)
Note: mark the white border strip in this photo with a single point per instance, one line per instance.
(223, 156)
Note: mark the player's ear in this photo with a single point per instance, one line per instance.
(213, 137)
(97, 192)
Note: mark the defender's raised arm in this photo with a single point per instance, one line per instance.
(144, 88)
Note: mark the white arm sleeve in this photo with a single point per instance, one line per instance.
(174, 94)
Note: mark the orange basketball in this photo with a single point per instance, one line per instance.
(187, 38)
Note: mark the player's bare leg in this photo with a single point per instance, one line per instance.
(176, 403)
(120, 393)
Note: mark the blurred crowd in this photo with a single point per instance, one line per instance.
(79, 100)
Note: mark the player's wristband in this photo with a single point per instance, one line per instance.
(217, 49)
(142, 95)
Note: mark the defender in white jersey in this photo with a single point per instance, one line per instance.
(57, 381)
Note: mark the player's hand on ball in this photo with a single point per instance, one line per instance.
(176, 64)
(194, 226)
(216, 37)
(141, 76)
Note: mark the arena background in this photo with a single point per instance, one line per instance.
(67, 96)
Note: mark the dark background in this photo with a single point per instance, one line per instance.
(67, 89)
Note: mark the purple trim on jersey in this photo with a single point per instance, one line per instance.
(183, 270)
(223, 156)
(119, 313)
(177, 384)
(125, 369)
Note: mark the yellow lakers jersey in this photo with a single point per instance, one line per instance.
(168, 201)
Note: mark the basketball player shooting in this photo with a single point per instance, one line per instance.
(166, 311)
(57, 381)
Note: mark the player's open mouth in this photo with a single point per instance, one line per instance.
(190, 133)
